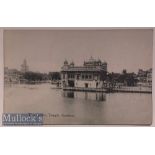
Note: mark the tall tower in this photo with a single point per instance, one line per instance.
(24, 66)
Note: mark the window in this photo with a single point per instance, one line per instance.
(78, 76)
(90, 76)
(63, 76)
(82, 76)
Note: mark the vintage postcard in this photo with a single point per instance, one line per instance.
(77, 76)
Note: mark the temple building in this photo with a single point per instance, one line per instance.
(91, 75)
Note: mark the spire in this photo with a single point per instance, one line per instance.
(24, 66)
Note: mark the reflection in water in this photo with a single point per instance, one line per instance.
(70, 94)
(98, 96)
(86, 95)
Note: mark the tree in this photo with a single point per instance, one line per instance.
(33, 76)
(54, 76)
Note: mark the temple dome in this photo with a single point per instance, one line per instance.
(65, 62)
(72, 63)
(91, 59)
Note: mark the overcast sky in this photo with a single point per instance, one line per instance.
(46, 50)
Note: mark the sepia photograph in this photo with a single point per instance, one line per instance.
(78, 76)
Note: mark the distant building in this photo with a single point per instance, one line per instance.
(142, 75)
(149, 76)
(24, 67)
(91, 75)
(11, 75)
(145, 77)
